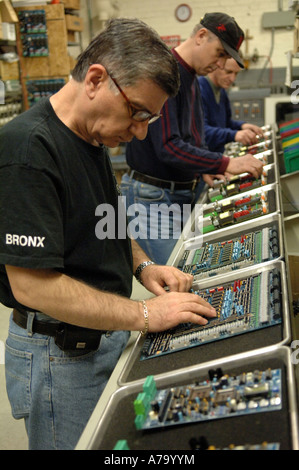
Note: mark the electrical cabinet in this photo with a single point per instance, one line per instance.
(249, 105)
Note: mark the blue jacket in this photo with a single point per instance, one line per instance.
(174, 148)
(220, 128)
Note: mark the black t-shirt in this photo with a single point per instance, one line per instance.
(51, 184)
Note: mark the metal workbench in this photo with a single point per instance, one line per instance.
(113, 417)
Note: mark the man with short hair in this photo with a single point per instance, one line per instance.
(69, 286)
(167, 166)
(220, 128)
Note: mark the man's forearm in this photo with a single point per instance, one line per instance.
(71, 301)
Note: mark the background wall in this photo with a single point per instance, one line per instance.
(160, 15)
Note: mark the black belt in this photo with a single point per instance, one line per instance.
(40, 327)
(67, 337)
(173, 185)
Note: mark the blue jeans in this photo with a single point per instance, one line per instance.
(54, 391)
(151, 223)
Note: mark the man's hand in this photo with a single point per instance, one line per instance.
(249, 135)
(156, 277)
(246, 137)
(254, 128)
(210, 179)
(169, 310)
(246, 164)
(176, 304)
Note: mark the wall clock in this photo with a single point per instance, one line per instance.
(183, 12)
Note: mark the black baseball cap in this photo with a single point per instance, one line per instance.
(228, 31)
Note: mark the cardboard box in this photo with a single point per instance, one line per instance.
(9, 31)
(7, 12)
(71, 37)
(71, 4)
(7, 15)
(74, 23)
(9, 71)
(294, 280)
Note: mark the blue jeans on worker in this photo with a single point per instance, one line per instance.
(157, 232)
(55, 391)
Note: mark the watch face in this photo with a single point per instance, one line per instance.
(183, 12)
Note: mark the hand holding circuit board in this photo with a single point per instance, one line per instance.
(247, 163)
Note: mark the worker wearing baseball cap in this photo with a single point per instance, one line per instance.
(166, 168)
(228, 31)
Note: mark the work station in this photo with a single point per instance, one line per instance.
(226, 130)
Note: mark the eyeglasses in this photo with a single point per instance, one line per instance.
(137, 114)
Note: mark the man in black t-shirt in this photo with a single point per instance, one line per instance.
(66, 261)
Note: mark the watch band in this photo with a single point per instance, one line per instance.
(141, 268)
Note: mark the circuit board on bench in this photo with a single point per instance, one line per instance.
(239, 184)
(237, 252)
(243, 305)
(234, 211)
(221, 396)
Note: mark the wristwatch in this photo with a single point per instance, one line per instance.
(141, 268)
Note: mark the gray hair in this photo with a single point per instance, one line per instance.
(130, 51)
(197, 27)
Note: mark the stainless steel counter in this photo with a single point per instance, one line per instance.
(120, 386)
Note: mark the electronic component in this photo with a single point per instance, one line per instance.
(33, 28)
(32, 21)
(122, 444)
(222, 396)
(233, 211)
(242, 306)
(244, 250)
(264, 144)
(202, 444)
(11, 109)
(35, 45)
(262, 150)
(37, 89)
(237, 149)
(239, 184)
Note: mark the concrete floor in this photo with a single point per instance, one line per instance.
(12, 433)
